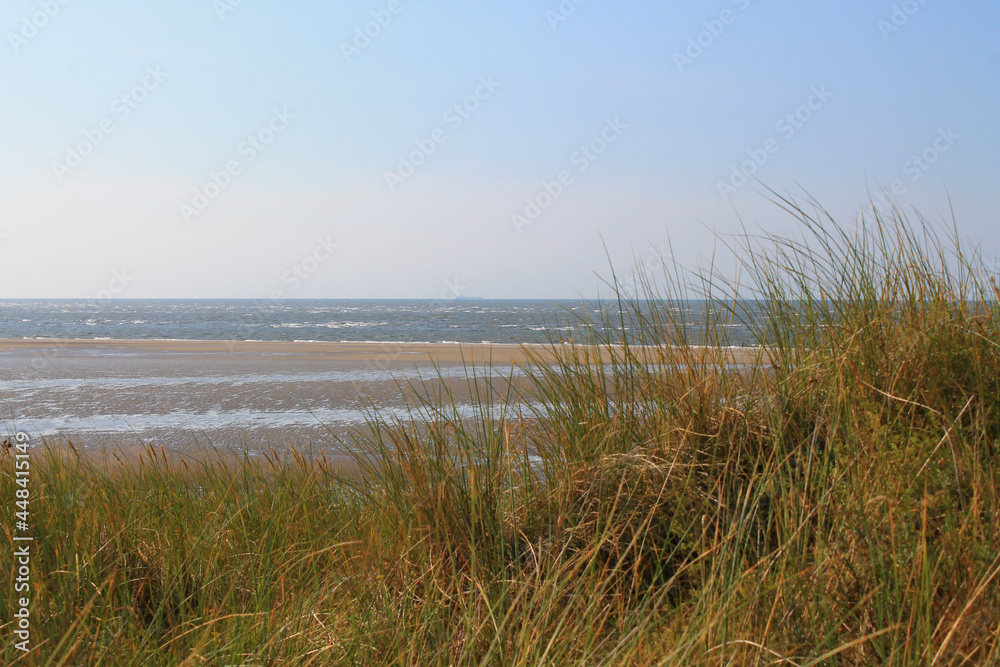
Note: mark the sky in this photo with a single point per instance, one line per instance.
(434, 149)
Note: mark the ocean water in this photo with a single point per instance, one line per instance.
(421, 321)
(424, 321)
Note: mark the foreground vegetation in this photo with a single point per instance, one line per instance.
(837, 502)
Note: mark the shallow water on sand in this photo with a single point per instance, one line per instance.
(102, 395)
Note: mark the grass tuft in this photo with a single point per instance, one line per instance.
(796, 465)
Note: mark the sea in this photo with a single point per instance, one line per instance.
(397, 320)
(343, 320)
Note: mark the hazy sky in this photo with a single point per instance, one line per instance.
(424, 148)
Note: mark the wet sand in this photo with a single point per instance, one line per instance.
(246, 396)
(378, 353)
(240, 396)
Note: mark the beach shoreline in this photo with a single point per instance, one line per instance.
(371, 351)
(254, 395)
(249, 396)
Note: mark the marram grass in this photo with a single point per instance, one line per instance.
(835, 503)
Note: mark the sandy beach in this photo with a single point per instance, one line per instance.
(380, 354)
(247, 396)
(244, 395)
(377, 353)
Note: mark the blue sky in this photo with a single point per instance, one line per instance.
(254, 148)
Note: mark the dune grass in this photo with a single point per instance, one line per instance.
(835, 503)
